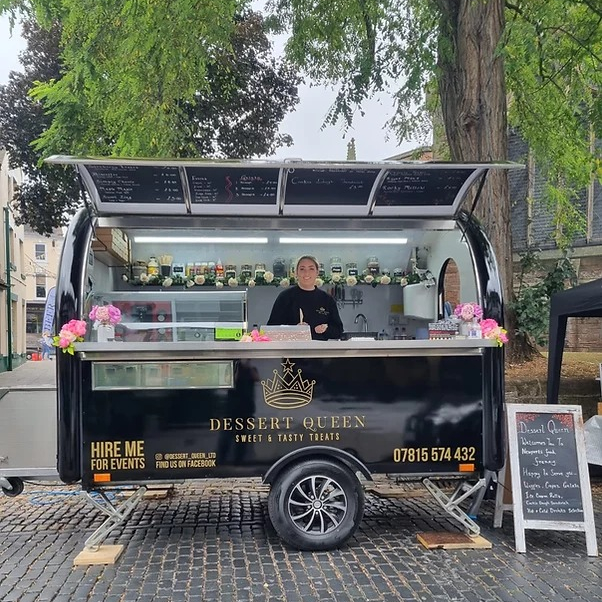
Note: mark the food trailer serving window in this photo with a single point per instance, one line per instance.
(289, 188)
(162, 375)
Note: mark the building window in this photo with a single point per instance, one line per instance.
(40, 251)
(40, 286)
(35, 317)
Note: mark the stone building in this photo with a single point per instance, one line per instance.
(12, 273)
(42, 255)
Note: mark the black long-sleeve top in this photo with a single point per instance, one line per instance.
(318, 308)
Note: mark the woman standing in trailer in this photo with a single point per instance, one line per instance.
(307, 304)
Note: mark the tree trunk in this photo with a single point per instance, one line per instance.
(473, 100)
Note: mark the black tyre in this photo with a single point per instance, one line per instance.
(316, 505)
(17, 487)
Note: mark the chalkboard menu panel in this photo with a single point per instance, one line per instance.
(223, 186)
(329, 186)
(548, 467)
(137, 184)
(423, 187)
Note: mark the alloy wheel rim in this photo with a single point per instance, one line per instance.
(317, 505)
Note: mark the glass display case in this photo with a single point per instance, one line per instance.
(174, 316)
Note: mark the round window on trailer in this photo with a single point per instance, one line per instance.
(448, 293)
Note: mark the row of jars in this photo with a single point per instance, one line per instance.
(280, 268)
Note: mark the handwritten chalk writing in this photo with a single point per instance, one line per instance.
(547, 456)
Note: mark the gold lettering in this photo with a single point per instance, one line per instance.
(346, 422)
(227, 424)
(334, 422)
(239, 424)
(360, 422)
(308, 423)
(262, 423)
(274, 424)
(134, 448)
(214, 424)
(107, 449)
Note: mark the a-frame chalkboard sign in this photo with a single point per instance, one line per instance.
(550, 480)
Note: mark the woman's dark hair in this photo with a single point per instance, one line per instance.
(311, 258)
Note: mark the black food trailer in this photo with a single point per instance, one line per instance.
(193, 253)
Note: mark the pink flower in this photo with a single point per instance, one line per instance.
(487, 325)
(492, 330)
(77, 327)
(105, 314)
(255, 336)
(468, 311)
(70, 333)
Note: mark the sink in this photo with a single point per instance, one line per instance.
(358, 336)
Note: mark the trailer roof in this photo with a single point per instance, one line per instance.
(118, 186)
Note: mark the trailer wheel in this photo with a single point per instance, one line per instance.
(17, 487)
(316, 505)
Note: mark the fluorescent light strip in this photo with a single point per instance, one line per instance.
(203, 239)
(343, 241)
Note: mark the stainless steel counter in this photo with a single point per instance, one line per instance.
(233, 349)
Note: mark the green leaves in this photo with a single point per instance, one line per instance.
(537, 283)
(134, 79)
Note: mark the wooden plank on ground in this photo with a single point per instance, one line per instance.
(437, 540)
(104, 555)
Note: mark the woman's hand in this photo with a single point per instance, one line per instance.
(321, 328)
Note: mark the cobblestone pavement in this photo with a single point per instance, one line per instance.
(212, 541)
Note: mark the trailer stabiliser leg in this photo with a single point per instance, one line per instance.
(451, 504)
(117, 514)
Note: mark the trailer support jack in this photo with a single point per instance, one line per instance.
(451, 503)
(117, 514)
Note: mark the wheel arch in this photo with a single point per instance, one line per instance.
(319, 451)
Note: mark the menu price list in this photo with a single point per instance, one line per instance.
(137, 184)
(422, 187)
(233, 186)
(548, 467)
(329, 186)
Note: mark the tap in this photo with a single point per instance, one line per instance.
(357, 319)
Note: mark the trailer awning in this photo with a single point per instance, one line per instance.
(211, 187)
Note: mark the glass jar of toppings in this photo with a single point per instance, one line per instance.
(230, 271)
(152, 267)
(397, 272)
(321, 270)
(373, 266)
(351, 269)
(336, 265)
(259, 270)
(279, 267)
(246, 271)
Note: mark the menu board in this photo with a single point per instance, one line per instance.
(329, 186)
(137, 184)
(424, 187)
(550, 480)
(236, 186)
(548, 467)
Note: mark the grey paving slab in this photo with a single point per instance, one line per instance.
(30, 374)
(212, 541)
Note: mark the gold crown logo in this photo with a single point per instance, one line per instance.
(288, 391)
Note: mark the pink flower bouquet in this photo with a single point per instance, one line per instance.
(492, 330)
(254, 337)
(105, 314)
(71, 333)
(468, 311)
